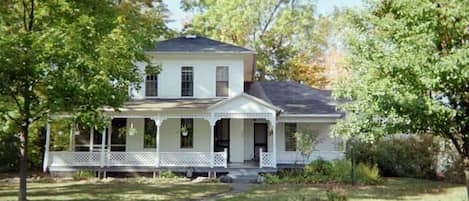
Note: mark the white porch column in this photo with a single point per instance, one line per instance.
(158, 122)
(91, 139)
(212, 121)
(103, 143)
(274, 141)
(70, 138)
(46, 148)
(109, 128)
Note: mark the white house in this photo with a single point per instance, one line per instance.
(204, 111)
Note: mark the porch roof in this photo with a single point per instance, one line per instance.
(168, 104)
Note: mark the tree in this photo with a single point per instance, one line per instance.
(286, 34)
(69, 56)
(408, 73)
(306, 140)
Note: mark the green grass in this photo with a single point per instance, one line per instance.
(402, 189)
(148, 189)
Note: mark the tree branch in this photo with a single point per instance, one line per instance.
(271, 17)
(31, 16)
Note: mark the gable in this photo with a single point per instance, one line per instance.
(244, 104)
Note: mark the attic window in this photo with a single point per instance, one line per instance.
(191, 36)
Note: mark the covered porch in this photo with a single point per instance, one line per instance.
(216, 138)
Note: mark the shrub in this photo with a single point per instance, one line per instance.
(405, 157)
(168, 175)
(318, 167)
(336, 195)
(365, 174)
(83, 174)
(454, 172)
(271, 179)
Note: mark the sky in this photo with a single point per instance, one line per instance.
(323, 6)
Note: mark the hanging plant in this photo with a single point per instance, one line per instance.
(184, 131)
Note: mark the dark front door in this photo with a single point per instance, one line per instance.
(260, 139)
(222, 136)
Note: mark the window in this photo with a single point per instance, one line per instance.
(187, 81)
(119, 133)
(149, 135)
(187, 133)
(290, 139)
(151, 85)
(222, 80)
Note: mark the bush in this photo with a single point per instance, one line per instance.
(406, 157)
(83, 174)
(168, 175)
(454, 172)
(325, 171)
(318, 167)
(336, 195)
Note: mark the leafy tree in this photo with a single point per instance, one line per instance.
(286, 34)
(69, 56)
(409, 72)
(306, 140)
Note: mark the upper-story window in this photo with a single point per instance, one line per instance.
(151, 85)
(222, 81)
(187, 81)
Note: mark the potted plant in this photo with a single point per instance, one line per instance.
(184, 131)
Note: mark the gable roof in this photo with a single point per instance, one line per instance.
(247, 96)
(294, 98)
(191, 44)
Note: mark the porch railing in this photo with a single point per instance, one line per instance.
(295, 157)
(266, 159)
(167, 159)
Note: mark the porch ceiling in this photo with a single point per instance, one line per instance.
(168, 104)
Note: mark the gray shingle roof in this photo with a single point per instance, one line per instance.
(293, 98)
(197, 44)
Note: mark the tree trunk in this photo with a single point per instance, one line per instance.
(23, 162)
(466, 173)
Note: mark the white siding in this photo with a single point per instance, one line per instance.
(169, 79)
(236, 140)
(170, 136)
(248, 139)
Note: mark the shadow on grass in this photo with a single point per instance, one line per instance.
(392, 189)
(74, 191)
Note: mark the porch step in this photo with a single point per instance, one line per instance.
(243, 175)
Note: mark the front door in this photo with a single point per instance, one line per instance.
(260, 139)
(222, 136)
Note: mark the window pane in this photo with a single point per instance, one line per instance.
(149, 135)
(187, 133)
(290, 139)
(151, 85)
(187, 81)
(222, 81)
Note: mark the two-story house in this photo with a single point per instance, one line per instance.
(203, 111)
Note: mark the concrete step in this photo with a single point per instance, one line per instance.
(242, 176)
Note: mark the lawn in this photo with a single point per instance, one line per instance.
(178, 189)
(132, 189)
(401, 189)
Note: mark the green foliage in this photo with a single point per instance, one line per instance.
(288, 37)
(271, 179)
(408, 72)
(9, 152)
(83, 175)
(336, 195)
(404, 157)
(306, 140)
(320, 167)
(168, 175)
(321, 171)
